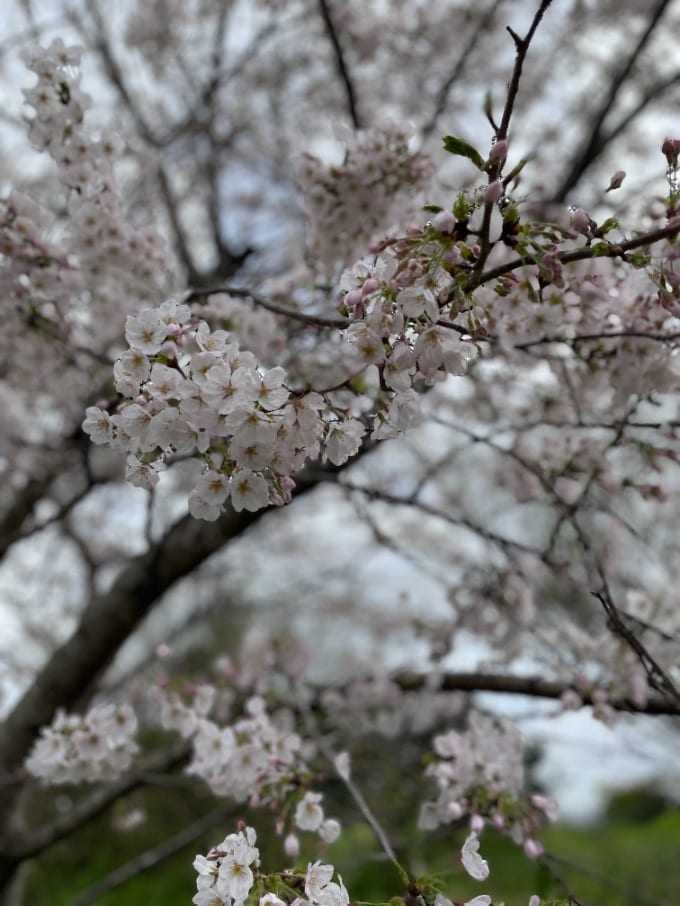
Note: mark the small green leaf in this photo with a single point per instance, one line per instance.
(462, 149)
(432, 208)
(610, 224)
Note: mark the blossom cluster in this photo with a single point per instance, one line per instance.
(395, 310)
(348, 203)
(111, 255)
(98, 746)
(226, 876)
(257, 758)
(192, 390)
(480, 773)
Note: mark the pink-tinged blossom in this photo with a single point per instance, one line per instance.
(483, 899)
(343, 440)
(249, 491)
(533, 849)
(309, 814)
(141, 474)
(441, 900)
(98, 425)
(473, 863)
(270, 899)
(226, 874)
(330, 830)
(145, 331)
(317, 878)
(321, 890)
(96, 747)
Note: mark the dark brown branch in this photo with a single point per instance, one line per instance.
(657, 677)
(469, 46)
(616, 250)
(597, 141)
(197, 295)
(521, 50)
(534, 687)
(341, 63)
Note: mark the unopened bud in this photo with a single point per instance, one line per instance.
(476, 824)
(499, 151)
(616, 180)
(580, 221)
(493, 192)
(291, 846)
(671, 148)
(532, 849)
(444, 222)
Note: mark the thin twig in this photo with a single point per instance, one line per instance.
(341, 63)
(469, 45)
(197, 295)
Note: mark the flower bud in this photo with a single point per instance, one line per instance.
(291, 846)
(532, 849)
(616, 180)
(499, 151)
(476, 824)
(493, 192)
(580, 220)
(671, 148)
(444, 222)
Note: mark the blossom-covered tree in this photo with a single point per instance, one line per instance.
(242, 271)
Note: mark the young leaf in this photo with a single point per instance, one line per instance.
(462, 149)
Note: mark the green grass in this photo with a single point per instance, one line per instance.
(641, 861)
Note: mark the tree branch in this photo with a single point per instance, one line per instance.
(341, 63)
(468, 48)
(597, 142)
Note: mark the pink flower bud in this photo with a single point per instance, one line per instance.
(455, 810)
(444, 222)
(291, 846)
(580, 220)
(476, 824)
(499, 151)
(493, 192)
(532, 849)
(616, 180)
(671, 148)
(370, 286)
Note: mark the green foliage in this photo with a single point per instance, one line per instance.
(462, 149)
(622, 864)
